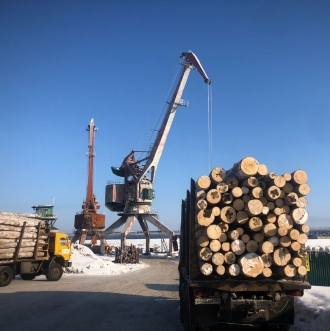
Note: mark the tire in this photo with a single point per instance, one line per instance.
(6, 276)
(28, 276)
(54, 272)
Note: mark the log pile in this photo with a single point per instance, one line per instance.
(32, 243)
(129, 254)
(251, 222)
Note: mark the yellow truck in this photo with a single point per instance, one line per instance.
(30, 246)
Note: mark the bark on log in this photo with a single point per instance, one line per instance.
(281, 256)
(258, 237)
(291, 198)
(245, 190)
(285, 241)
(202, 241)
(289, 270)
(233, 270)
(255, 224)
(275, 240)
(238, 204)
(242, 217)
(224, 226)
(272, 192)
(251, 265)
(229, 257)
(223, 237)
(269, 230)
(245, 238)
(222, 187)
(271, 218)
(246, 198)
(201, 204)
(267, 259)
(285, 220)
(250, 182)
(232, 182)
(287, 188)
(270, 205)
(227, 198)
(251, 246)
(201, 194)
(245, 168)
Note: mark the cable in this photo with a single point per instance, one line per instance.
(210, 125)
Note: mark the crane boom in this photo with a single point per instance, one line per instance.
(189, 61)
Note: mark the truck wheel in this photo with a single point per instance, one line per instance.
(6, 276)
(28, 276)
(54, 272)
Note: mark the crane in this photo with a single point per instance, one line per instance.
(88, 222)
(133, 198)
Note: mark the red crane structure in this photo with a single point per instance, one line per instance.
(88, 223)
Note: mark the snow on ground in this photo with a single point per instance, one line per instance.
(312, 310)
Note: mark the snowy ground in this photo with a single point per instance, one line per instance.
(312, 310)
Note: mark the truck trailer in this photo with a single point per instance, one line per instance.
(206, 301)
(30, 246)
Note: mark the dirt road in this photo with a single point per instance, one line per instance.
(142, 300)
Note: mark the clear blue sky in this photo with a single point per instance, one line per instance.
(65, 62)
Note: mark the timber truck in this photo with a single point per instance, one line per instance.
(30, 246)
(207, 301)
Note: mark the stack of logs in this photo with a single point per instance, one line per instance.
(252, 222)
(11, 227)
(129, 254)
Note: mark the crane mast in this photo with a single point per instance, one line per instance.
(133, 198)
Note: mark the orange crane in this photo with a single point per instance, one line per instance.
(88, 222)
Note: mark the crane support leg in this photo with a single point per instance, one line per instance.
(126, 229)
(144, 226)
(111, 229)
(163, 228)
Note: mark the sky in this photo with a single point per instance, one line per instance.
(63, 63)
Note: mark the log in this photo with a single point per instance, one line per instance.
(242, 217)
(266, 247)
(302, 238)
(285, 241)
(250, 182)
(254, 207)
(203, 241)
(206, 268)
(233, 270)
(270, 205)
(226, 198)
(272, 192)
(238, 204)
(302, 190)
(265, 210)
(245, 238)
(278, 181)
(294, 234)
(225, 246)
(269, 230)
(291, 198)
(267, 178)
(205, 217)
(246, 198)
(233, 234)
(279, 202)
(289, 270)
(200, 195)
(218, 259)
(282, 231)
(237, 192)
(271, 218)
(256, 193)
(262, 170)
(245, 190)
(13, 249)
(255, 224)
(229, 257)
(220, 270)
(262, 185)
(281, 256)
(251, 246)
(237, 247)
(4, 227)
(17, 234)
(299, 215)
(222, 187)
(240, 231)
(302, 202)
(287, 188)
(205, 254)
(213, 196)
(302, 271)
(287, 176)
(215, 245)
(228, 214)
(275, 240)
(303, 228)
(19, 222)
(295, 246)
(267, 260)
(299, 177)
(217, 175)
(203, 183)
(243, 169)
(223, 237)
(296, 261)
(213, 231)
(258, 237)
(201, 204)
(224, 226)
(285, 220)
(216, 211)
(267, 272)
(263, 200)
(232, 182)
(251, 265)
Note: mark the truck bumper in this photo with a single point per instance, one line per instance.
(67, 264)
